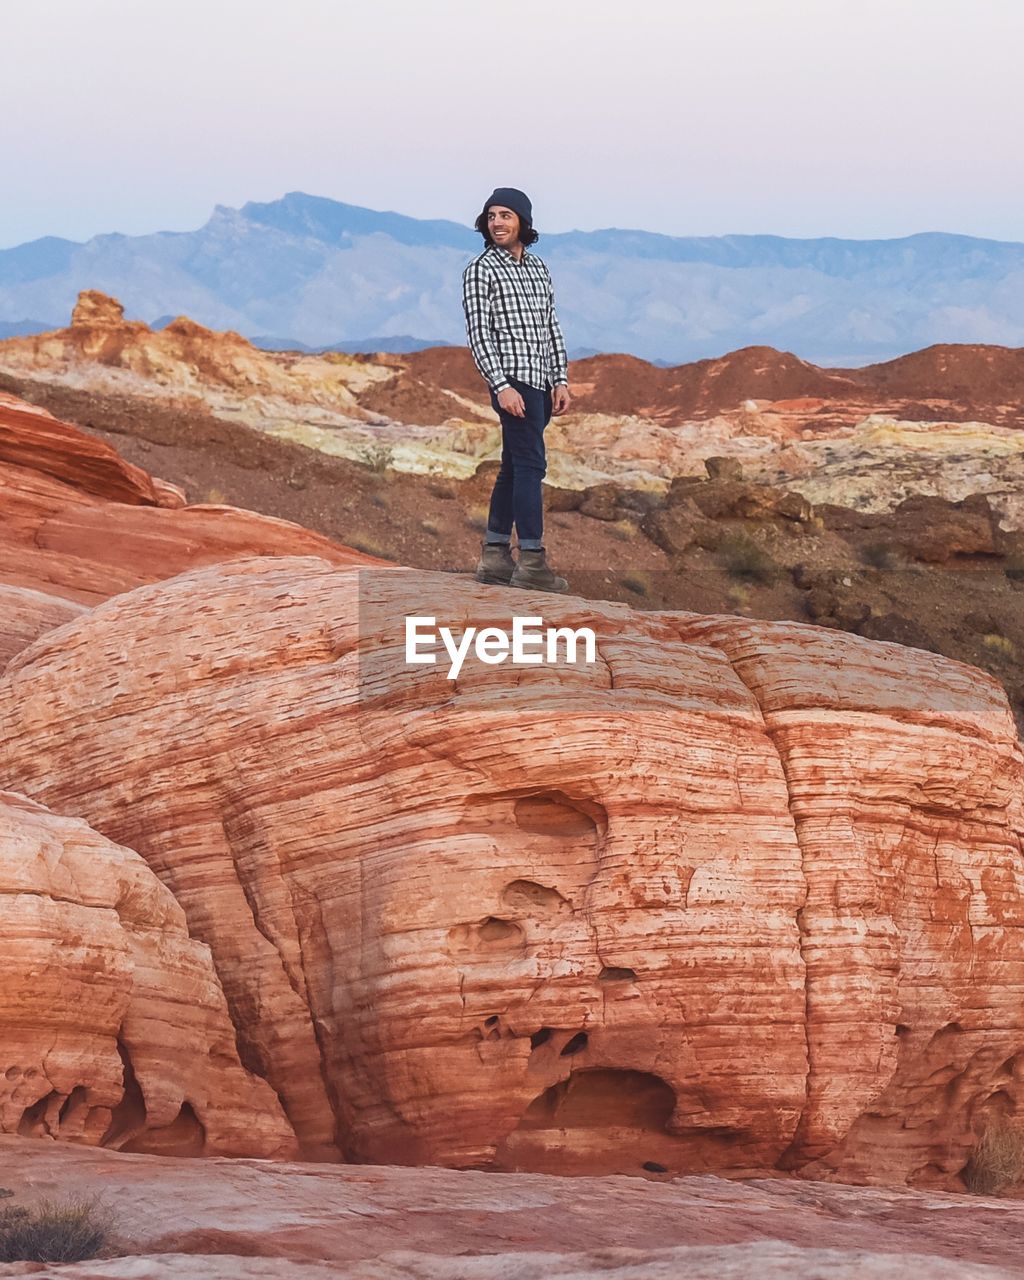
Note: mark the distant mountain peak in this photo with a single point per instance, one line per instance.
(319, 271)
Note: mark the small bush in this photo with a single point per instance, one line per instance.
(52, 1232)
(745, 559)
(430, 526)
(636, 583)
(997, 1162)
(216, 496)
(999, 644)
(378, 457)
(363, 542)
(738, 598)
(623, 530)
(879, 556)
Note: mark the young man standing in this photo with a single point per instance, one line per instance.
(518, 347)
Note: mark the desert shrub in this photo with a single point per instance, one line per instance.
(745, 559)
(430, 526)
(636, 583)
(378, 457)
(997, 1162)
(623, 530)
(216, 496)
(363, 542)
(53, 1231)
(879, 556)
(999, 644)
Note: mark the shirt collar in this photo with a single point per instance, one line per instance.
(498, 248)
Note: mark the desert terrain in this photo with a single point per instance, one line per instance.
(701, 959)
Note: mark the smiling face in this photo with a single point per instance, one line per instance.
(503, 225)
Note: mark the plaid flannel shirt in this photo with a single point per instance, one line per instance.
(510, 320)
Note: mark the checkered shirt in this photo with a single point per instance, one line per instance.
(510, 320)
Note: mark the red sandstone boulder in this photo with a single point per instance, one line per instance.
(113, 1024)
(738, 895)
(78, 524)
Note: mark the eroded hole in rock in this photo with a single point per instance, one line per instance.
(490, 935)
(495, 930)
(39, 1118)
(576, 1045)
(902, 1030)
(540, 1037)
(615, 974)
(602, 1098)
(949, 1032)
(552, 813)
(129, 1116)
(652, 1166)
(999, 1103)
(75, 1099)
(529, 896)
(605, 1120)
(184, 1136)
(492, 1021)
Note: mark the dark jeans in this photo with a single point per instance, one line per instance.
(516, 497)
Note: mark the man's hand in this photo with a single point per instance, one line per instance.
(512, 402)
(559, 400)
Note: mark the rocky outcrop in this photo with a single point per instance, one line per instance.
(26, 614)
(942, 422)
(78, 524)
(113, 1025)
(232, 1220)
(33, 439)
(737, 895)
(906, 788)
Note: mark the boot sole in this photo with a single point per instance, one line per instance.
(532, 586)
(489, 580)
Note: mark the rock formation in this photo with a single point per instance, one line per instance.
(945, 421)
(247, 1220)
(113, 1024)
(78, 524)
(739, 895)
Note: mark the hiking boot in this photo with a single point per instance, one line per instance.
(532, 573)
(496, 564)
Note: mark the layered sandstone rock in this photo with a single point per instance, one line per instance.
(26, 614)
(78, 524)
(33, 439)
(906, 788)
(737, 895)
(114, 1026)
(236, 1219)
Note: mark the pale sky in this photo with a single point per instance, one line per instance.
(851, 118)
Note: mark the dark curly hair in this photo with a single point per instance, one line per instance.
(526, 232)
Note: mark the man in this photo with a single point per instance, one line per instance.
(518, 347)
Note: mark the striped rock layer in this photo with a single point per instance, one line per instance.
(737, 895)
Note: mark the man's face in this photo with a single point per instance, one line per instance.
(503, 224)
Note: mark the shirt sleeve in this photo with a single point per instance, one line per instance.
(476, 302)
(559, 358)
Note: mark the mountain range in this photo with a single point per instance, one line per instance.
(308, 272)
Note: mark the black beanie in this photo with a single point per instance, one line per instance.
(513, 199)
